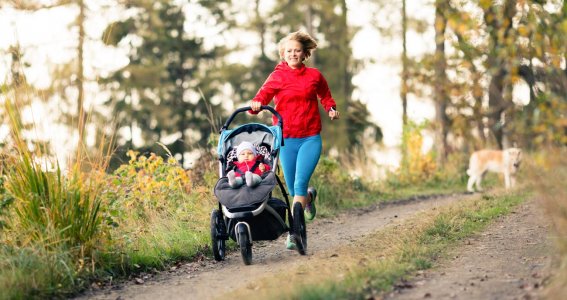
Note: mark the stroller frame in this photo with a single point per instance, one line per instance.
(246, 213)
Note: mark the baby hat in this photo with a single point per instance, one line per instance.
(245, 146)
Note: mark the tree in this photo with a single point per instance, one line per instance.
(542, 120)
(500, 29)
(76, 72)
(19, 96)
(517, 36)
(163, 91)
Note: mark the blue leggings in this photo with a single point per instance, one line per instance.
(299, 157)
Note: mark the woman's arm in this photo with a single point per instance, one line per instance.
(324, 93)
(266, 93)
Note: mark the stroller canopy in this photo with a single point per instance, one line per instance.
(260, 135)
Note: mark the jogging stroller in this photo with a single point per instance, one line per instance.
(252, 214)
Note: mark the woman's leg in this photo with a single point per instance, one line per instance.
(288, 158)
(307, 159)
(299, 158)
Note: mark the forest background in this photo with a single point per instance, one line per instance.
(169, 72)
(107, 162)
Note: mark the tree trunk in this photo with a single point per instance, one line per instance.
(347, 78)
(266, 65)
(500, 27)
(81, 115)
(404, 83)
(440, 89)
(478, 116)
(343, 139)
(183, 123)
(309, 25)
(404, 86)
(261, 27)
(495, 104)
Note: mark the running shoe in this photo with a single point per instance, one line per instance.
(310, 209)
(290, 243)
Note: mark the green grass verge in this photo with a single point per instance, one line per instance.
(391, 255)
(32, 273)
(338, 192)
(166, 244)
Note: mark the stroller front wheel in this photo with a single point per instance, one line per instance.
(244, 241)
(218, 231)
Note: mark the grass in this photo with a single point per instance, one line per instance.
(337, 191)
(29, 273)
(165, 242)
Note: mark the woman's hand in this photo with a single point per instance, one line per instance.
(262, 167)
(255, 105)
(333, 114)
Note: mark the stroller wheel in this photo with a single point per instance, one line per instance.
(245, 242)
(218, 231)
(299, 230)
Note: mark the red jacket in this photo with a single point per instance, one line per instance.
(247, 165)
(295, 93)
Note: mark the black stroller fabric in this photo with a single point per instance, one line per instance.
(244, 196)
(265, 226)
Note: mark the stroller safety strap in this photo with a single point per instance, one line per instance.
(252, 169)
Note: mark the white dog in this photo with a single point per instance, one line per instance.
(499, 161)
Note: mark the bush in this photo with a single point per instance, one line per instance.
(335, 187)
(415, 167)
(147, 184)
(159, 216)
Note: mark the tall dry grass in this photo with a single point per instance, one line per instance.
(48, 215)
(49, 206)
(549, 174)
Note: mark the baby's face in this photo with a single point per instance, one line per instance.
(245, 155)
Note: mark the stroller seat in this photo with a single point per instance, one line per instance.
(244, 196)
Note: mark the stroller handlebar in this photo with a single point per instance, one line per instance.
(247, 108)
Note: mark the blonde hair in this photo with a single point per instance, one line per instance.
(309, 44)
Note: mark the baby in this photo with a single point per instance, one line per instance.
(249, 166)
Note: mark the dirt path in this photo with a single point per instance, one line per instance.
(207, 279)
(509, 260)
